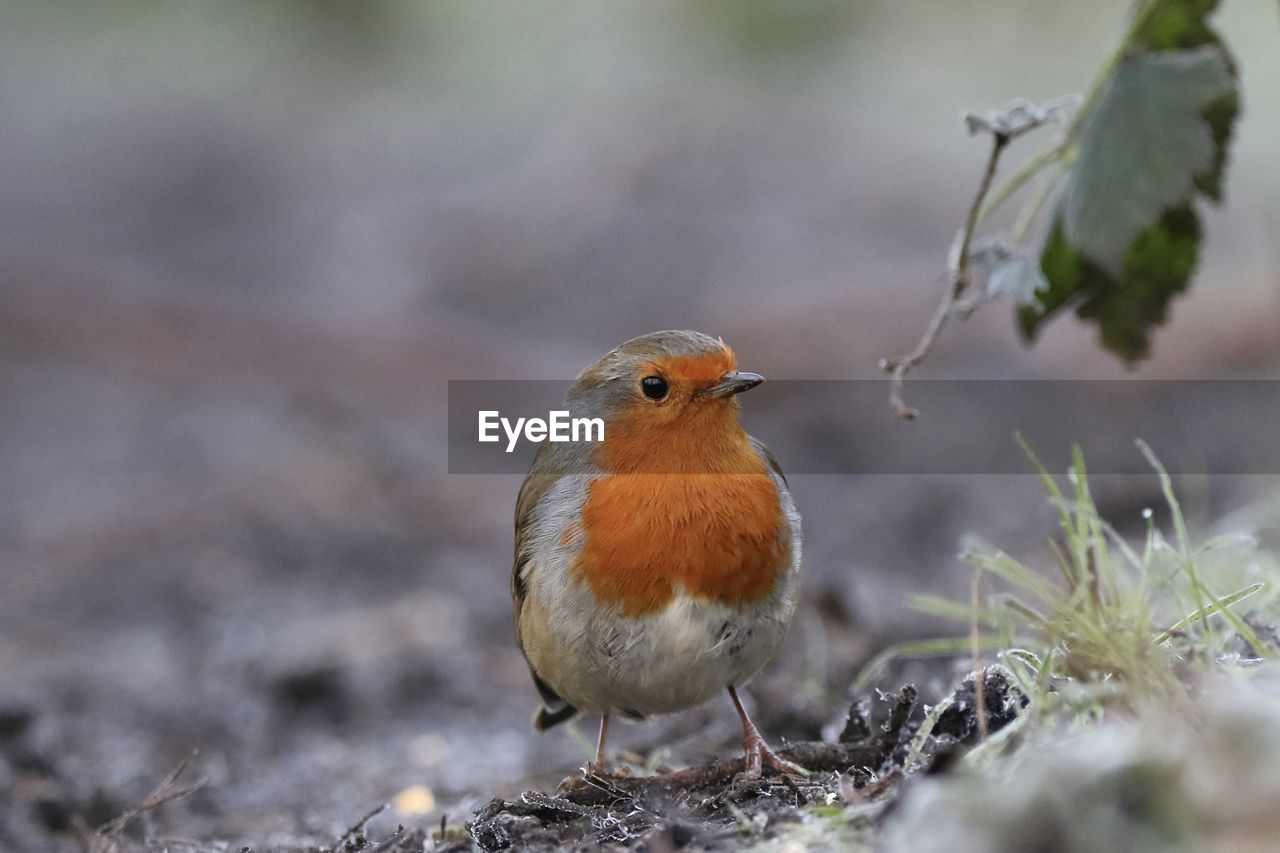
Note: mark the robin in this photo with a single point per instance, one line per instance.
(658, 566)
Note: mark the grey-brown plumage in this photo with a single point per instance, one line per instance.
(673, 395)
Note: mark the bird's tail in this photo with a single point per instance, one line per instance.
(547, 717)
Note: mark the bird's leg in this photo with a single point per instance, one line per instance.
(598, 766)
(756, 753)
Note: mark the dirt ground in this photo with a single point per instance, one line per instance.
(711, 806)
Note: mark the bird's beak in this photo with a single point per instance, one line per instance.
(733, 382)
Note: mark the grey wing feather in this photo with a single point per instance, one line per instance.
(555, 709)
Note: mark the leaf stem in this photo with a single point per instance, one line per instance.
(1144, 11)
(1021, 178)
(1032, 208)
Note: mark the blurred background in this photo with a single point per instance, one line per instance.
(243, 247)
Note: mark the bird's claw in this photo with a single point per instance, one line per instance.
(757, 756)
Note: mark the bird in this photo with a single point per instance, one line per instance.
(659, 566)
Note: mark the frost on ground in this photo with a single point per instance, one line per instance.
(1198, 778)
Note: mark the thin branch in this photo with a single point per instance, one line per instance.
(958, 282)
(108, 835)
(357, 828)
(1005, 125)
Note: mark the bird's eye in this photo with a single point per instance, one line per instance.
(654, 387)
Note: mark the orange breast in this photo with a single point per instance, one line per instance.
(706, 520)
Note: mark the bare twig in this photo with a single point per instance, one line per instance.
(358, 827)
(853, 795)
(108, 835)
(1015, 120)
(958, 282)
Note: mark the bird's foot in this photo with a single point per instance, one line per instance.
(595, 776)
(757, 756)
(589, 775)
(592, 768)
(569, 784)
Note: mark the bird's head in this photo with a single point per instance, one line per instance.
(675, 391)
(665, 377)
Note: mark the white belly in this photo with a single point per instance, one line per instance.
(666, 661)
(673, 659)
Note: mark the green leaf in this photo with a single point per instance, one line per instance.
(1181, 25)
(1174, 25)
(1157, 267)
(1125, 236)
(1141, 149)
